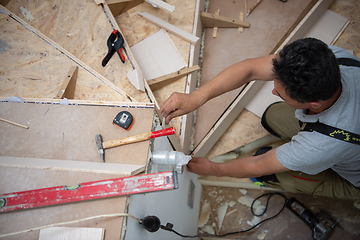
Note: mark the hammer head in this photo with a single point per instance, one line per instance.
(99, 146)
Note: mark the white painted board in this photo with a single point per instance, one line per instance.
(65, 233)
(157, 56)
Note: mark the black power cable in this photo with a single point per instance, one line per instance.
(169, 226)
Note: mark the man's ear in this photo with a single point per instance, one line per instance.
(315, 105)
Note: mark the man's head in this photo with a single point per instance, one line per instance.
(308, 70)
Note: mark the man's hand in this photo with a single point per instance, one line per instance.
(201, 166)
(179, 104)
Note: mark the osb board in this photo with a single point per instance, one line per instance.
(67, 132)
(269, 22)
(135, 28)
(350, 38)
(31, 67)
(21, 179)
(82, 28)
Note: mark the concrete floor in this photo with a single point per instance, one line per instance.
(284, 226)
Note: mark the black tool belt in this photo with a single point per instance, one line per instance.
(333, 131)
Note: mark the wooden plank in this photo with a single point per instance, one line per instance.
(171, 28)
(67, 89)
(212, 20)
(68, 165)
(187, 120)
(234, 184)
(224, 122)
(160, 82)
(65, 233)
(226, 119)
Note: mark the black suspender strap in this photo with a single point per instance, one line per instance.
(348, 62)
(332, 132)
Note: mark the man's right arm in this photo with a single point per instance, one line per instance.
(229, 79)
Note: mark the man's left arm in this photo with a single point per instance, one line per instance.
(254, 166)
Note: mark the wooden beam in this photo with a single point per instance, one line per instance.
(73, 166)
(67, 89)
(162, 81)
(169, 27)
(211, 20)
(226, 119)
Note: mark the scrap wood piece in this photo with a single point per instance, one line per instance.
(209, 20)
(137, 79)
(162, 5)
(252, 9)
(162, 81)
(171, 28)
(14, 123)
(241, 18)
(217, 12)
(67, 89)
(74, 166)
(118, 7)
(64, 233)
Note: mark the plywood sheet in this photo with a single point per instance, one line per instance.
(82, 28)
(269, 22)
(31, 67)
(68, 132)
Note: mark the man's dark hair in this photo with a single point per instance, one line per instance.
(308, 70)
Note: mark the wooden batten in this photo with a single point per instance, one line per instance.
(160, 82)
